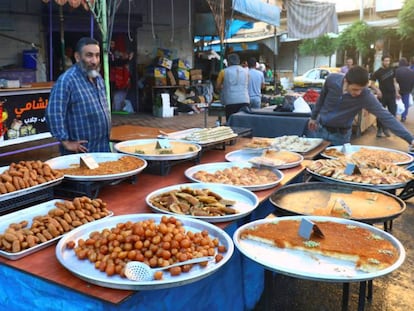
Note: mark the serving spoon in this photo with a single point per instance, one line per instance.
(139, 271)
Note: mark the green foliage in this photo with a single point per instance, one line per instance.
(327, 45)
(359, 36)
(323, 45)
(308, 47)
(406, 20)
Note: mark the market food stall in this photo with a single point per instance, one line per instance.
(236, 285)
(52, 282)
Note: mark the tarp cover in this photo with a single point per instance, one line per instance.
(309, 19)
(258, 10)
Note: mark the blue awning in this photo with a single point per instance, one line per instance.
(258, 10)
(237, 47)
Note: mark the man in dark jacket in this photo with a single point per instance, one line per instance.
(405, 78)
(387, 92)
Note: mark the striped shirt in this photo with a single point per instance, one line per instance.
(78, 110)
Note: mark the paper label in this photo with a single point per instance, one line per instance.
(345, 206)
(88, 161)
(346, 148)
(307, 227)
(352, 169)
(163, 144)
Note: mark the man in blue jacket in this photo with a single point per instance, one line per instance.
(341, 99)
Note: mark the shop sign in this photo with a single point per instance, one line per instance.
(23, 117)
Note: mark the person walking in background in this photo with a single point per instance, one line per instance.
(256, 84)
(387, 92)
(405, 79)
(67, 58)
(348, 65)
(233, 84)
(77, 113)
(341, 99)
(412, 63)
(119, 75)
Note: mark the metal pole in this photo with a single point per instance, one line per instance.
(62, 38)
(105, 44)
(361, 18)
(50, 42)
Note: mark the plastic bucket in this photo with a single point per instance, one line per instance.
(29, 59)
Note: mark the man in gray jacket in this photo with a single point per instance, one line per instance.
(233, 83)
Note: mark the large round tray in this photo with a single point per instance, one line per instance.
(213, 167)
(159, 157)
(249, 154)
(71, 159)
(17, 193)
(306, 265)
(331, 187)
(381, 186)
(87, 272)
(183, 134)
(28, 214)
(246, 201)
(354, 148)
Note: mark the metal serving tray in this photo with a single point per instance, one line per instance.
(28, 214)
(213, 167)
(311, 266)
(246, 201)
(28, 190)
(73, 159)
(87, 272)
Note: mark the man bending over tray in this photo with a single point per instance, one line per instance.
(78, 113)
(342, 98)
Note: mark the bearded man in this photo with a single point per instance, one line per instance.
(78, 113)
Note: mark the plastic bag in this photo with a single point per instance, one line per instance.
(410, 100)
(128, 106)
(400, 106)
(301, 106)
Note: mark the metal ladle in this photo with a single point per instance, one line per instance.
(139, 271)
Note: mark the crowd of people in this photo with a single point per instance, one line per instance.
(79, 117)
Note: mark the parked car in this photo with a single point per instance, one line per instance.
(314, 77)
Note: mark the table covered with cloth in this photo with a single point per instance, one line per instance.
(39, 281)
(266, 123)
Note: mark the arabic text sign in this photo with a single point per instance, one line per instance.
(25, 115)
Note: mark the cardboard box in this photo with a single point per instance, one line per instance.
(171, 78)
(160, 81)
(181, 63)
(184, 82)
(165, 62)
(196, 72)
(164, 53)
(196, 77)
(160, 72)
(183, 74)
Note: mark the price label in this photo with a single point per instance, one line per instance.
(163, 144)
(307, 227)
(345, 206)
(346, 148)
(352, 169)
(88, 161)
